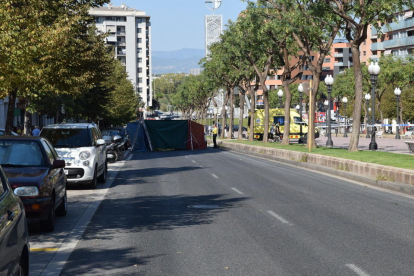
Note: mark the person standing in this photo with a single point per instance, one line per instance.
(215, 130)
(36, 131)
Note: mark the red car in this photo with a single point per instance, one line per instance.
(36, 175)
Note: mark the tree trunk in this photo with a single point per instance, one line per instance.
(224, 115)
(215, 113)
(252, 110)
(27, 119)
(230, 134)
(353, 143)
(241, 116)
(311, 115)
(266, 108)
(10, 111)
(288, 100)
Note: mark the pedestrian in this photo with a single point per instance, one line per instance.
(215, 130)
(36, 131)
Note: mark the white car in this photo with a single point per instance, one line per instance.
(82, 148)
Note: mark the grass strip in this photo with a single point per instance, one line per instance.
(397, 160)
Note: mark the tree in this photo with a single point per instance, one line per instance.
(358, 16)
(44, 50)
(314, 30)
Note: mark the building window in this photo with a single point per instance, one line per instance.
(139, 30)
(139, 69)
(364, 53)
(139, 50)
(272, 87)
(139, 20)
(139, 89)
(139, 80)
(139, 60)
(139, 40)
(326, 60)
(365, 42)
(118, 39)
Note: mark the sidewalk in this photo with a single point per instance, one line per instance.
(389, 144)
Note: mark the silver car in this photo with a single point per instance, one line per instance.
(82, 148)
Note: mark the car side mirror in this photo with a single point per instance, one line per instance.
(100, 142)
(58, 164)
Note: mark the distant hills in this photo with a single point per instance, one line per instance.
(180, 61)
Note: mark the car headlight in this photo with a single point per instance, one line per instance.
(84, 155)
(26, 191)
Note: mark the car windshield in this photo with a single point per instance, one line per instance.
(111, 132)
(21, 153)
(68, 137)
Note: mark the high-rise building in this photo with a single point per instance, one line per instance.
(397, 38)
(130, 36)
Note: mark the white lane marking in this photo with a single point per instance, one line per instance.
(357, 270)
(56, 264)
(237, 191)
(278, 217)
(214, 175)
(193, 161)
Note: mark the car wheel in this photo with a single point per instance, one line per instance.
(62, 210)
(102, 177)
(23, 265)
(94, 181)
(48, 225)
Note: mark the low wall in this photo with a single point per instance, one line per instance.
(377, 173)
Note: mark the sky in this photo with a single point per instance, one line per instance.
(178, 24)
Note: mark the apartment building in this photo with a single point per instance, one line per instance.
(130, 36)
(397, 38)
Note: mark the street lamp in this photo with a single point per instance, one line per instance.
(373, 70)
(326, 104)
(367, 98)
(329, 80)
(345, 100)
(300, 89)
(280, 95)
(397, 93)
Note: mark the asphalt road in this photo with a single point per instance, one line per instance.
(219, 213)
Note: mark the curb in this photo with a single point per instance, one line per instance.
(358, 171)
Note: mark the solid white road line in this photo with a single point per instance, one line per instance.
(237, 191)
(278, 217)
(214, 175)
(357, 270)
(56, 264)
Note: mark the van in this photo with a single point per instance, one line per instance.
(277, 115)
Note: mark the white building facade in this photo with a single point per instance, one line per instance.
(130, 35)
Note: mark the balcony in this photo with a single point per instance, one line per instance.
(121, 33)
(339, 55)
(400, 42)
(121, 43)
(403, 24)
(379, 46)
(338, 64)
(111, 38)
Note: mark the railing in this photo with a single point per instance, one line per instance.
(400, 42)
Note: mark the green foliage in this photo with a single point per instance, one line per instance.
(165, 87)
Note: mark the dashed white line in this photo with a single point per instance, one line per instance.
(357, 270)
(193, 161)
(237, 191)
(278, 217)
(214, 175)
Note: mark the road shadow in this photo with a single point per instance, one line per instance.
(100, 260)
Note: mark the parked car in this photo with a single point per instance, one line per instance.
(121, 131)
(82, 148)
(36, 175)
(236, 128)
(14, 236)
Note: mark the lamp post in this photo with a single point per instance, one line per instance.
(300, 89)
(345, 100)
(280, 95)
(326, 104)
(373, 70)
(367, 98)
(397, 93)
(329, 80)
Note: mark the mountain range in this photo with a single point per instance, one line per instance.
(179, 61)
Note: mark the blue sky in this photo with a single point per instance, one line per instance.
(178, 24)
